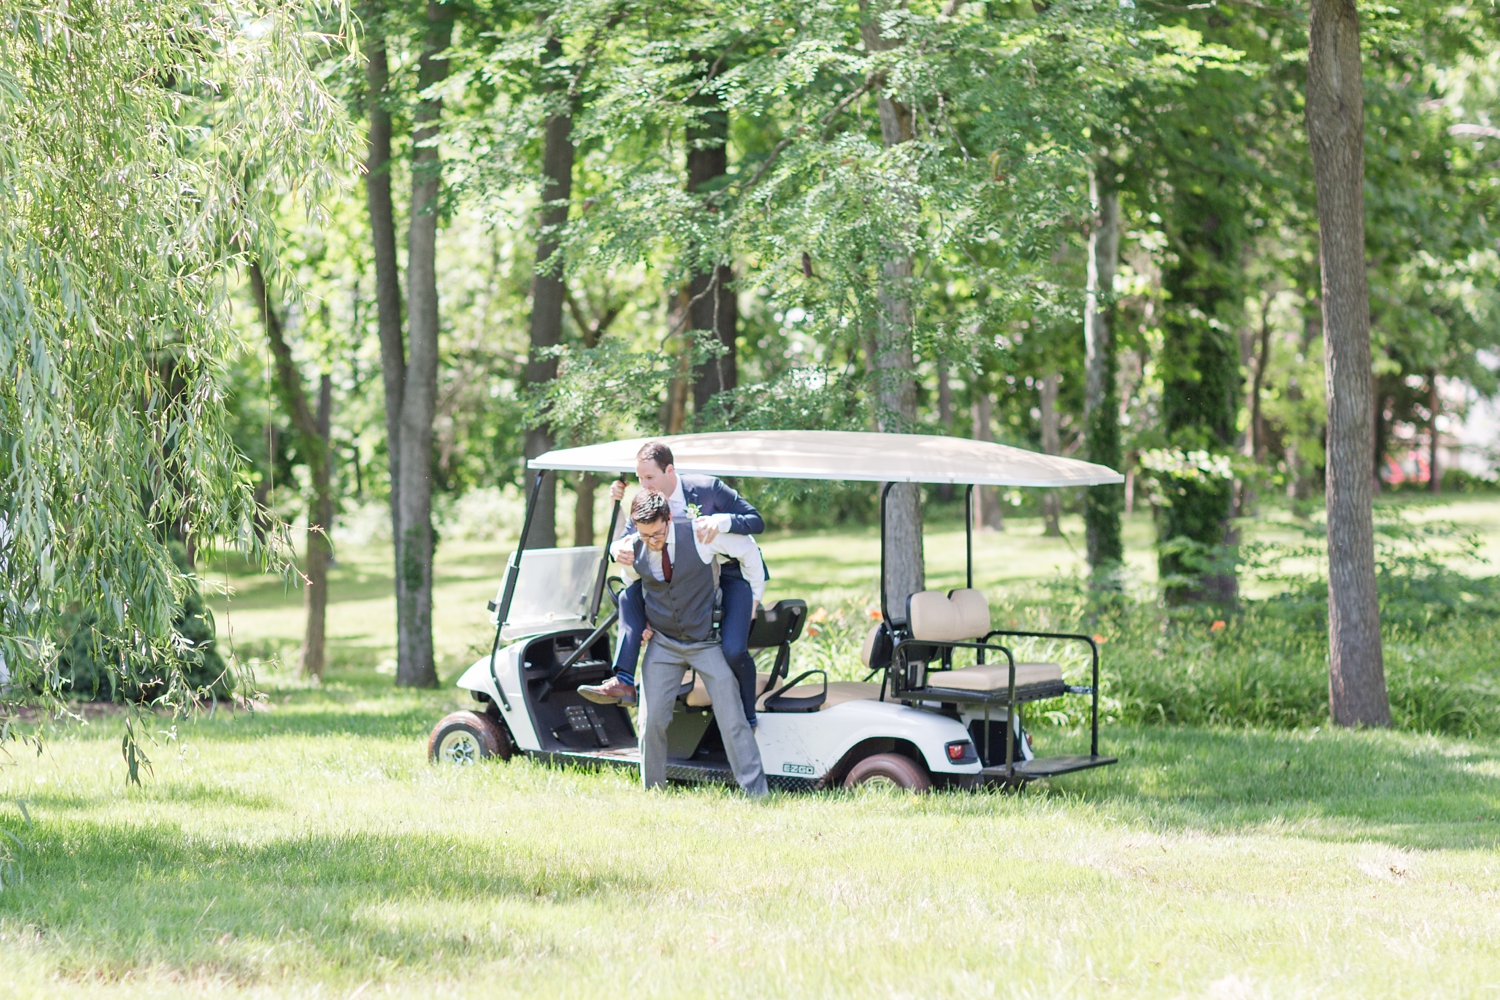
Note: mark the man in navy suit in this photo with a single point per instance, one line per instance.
(713, 507)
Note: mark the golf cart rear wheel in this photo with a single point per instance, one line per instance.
(464, 738)
(890, 770)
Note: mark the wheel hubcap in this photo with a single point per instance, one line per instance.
(881, 781)
(460, 748)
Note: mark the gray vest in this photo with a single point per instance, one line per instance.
(684, 608)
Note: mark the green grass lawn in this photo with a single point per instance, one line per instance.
(308, 849)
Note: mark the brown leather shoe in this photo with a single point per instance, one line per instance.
(612, 692)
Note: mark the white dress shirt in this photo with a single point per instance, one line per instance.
(722, 549)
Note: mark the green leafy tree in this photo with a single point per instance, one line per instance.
(131, 133)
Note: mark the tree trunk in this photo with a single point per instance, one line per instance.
(415, 666)
(319, 545)
(1258, 383)
(894, 376)
(674, 410)
(1051, 503)
(1335, 131)
(1101, 420)
(547, 295)
(945, 417)
(583, 513)
(712, 301)
(987, 511)
(312, 445)
(387, 285)
(1434, 408)
(1201, 390)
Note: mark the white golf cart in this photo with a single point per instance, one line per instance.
(917, 720)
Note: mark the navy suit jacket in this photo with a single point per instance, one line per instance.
(714, 496)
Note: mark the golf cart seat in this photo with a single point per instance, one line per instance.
(961, 618)
(839, 692)
(779, 625)
(776, 627)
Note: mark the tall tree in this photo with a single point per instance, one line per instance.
(1101, 419)
(1335, 131)
(382, 211)
(987, 513)
(415, 664)
(894, 374)
(1051, 445)
(548, 290)
(712, 303)
(116, 259)
(1204, 285)
(312, 430)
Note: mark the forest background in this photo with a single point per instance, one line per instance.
(485, 229)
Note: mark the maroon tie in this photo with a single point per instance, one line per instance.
(666, 564)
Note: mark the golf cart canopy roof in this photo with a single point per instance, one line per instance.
(850, 455)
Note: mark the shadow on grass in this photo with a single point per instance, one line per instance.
(411, 720)
(196, 793)
(357, 583)
(119, 897)
(1405, 790)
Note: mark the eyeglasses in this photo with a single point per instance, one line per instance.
(653, 536)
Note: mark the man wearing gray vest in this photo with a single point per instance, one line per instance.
(679, 581)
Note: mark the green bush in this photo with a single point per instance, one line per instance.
(95, 665)
(1263, 663)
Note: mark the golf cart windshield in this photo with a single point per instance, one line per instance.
(553, 589)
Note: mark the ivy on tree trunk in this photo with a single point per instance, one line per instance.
(1200, 394)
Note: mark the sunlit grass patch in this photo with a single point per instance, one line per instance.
(307, 848)
(312, 848)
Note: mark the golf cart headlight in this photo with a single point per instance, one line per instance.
(962, 752)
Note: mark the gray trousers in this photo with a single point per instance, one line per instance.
(661, 676)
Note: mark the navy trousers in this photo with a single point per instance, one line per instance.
(734, 635)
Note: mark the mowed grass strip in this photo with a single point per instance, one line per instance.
(310, 850)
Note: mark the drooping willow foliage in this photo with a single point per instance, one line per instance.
(142, 143)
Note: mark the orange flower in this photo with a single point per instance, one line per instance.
(1216, 627)
(1100, 639)
(819, 615)
(874, 614)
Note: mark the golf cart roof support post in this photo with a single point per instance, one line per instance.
(1094, 713)
(885, 612)
(969, 536)
(609, 539)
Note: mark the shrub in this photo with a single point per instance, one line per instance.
(95, 665)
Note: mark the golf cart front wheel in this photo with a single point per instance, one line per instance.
(890, 770)
(465, 738)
